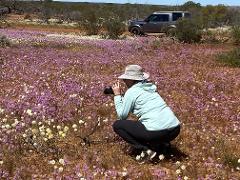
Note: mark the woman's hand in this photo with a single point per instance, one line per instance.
(116, 88)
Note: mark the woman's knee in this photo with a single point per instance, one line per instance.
(174, 134)
(117, 125)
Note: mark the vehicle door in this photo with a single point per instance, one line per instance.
(156, 22)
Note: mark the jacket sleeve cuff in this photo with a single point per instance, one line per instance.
(118, 98)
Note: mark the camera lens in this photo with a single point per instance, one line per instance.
(108, 90)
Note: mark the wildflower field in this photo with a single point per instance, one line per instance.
(56, 123)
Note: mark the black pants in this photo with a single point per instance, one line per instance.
(135, 133)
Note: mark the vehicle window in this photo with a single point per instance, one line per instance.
(176, 16)
(152, 18)
(159, 18)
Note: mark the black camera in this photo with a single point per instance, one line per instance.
(108, 90)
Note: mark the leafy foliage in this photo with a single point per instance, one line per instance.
(236, 34)
(4, 41)
(188, 31)
(231, 58)
(114, 27)
(91, 22)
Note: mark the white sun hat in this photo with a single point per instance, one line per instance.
(134, 72)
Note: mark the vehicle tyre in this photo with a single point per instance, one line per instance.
(171, 31)
(135, 30)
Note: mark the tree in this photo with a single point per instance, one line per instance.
(46, 10)
(214, 16)
(191, 6)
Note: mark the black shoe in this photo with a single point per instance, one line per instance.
(162, 148)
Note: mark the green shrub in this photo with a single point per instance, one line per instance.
(4, 41)
(231, 58)
(114, 27)
(235, 32)
(91, 22)
(227, 154)
(91, 27)
(188, 31)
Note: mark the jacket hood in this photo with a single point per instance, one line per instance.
(147, 86)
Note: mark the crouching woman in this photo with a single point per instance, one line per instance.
(156, 125)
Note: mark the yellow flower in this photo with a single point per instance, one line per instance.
(74, 126)
(48, 130)
(124, 173)
(1, 110)
(183, 167)
(50, 136)
(178, 163)
(61, 161)
(60, 169)
(29, 112)
(7, 126)
(178, 171)
(66, 128)
(80, 121)
(14, 125)
(52, 162)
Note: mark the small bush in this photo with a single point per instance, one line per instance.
(231, 58)
(4, 41)
(91, 23)
(91, 27)
(235, 32)
(188, 31)
(114, 27)
(156, 44)
(227, 154)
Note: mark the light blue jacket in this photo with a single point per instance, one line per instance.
(143, 101)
